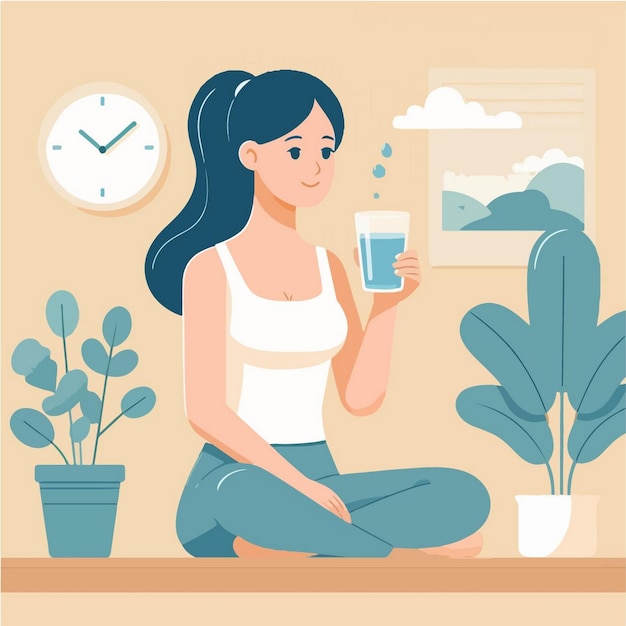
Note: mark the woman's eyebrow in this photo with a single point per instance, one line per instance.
(299, 137)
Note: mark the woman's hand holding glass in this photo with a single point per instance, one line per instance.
(406, 266)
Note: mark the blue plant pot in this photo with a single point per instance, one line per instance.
(79, 507)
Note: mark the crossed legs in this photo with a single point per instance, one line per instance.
(434, 510)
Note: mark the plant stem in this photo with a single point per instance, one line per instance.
(111, 424)
(66, 370)
(69, 413)
(551, 475)
(561, 431)
(120, 415)
(60, 452)
(63, 335)
(569, 480)
(49, 441)
(104, 390)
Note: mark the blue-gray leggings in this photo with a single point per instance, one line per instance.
(405, 508)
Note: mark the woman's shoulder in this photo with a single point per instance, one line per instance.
(204, 265)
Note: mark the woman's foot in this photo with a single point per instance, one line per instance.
(467, 548)
(246, 549)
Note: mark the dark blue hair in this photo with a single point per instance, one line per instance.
(230, 108)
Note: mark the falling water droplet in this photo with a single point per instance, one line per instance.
(386, 151)
(376, 196)
(378, 171)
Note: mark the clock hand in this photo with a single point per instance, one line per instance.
(93, 142)
(120, 135)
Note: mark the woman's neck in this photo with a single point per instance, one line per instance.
(271, 219)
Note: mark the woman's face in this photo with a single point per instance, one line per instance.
(297, 168)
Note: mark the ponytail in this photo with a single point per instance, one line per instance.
(221, 201)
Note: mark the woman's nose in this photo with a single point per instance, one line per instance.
(318, 168)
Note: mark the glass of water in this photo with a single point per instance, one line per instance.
(381, 235)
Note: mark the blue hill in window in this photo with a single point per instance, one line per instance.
(564, 186)
(524, 210)
(459, 209)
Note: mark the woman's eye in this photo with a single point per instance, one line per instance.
(295, 153)
(326, 152)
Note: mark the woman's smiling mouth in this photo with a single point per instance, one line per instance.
(313, 185)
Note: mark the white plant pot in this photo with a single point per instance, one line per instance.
(558, 526)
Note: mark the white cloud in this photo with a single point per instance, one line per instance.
(535, 164)
(445, 109)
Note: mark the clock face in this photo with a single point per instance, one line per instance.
(103, 147)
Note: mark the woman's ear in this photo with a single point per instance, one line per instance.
(248, 154)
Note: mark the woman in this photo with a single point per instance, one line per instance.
(265, 314)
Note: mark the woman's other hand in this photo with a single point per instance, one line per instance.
(406, 266)
(325, 497)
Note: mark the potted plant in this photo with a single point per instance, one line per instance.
(561, 351)
(79, 497)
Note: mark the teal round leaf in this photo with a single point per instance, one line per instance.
(68, 394)
(123, 363)
(32, 360)
(138, 402)
(62, 313)
(80, 429)
(91, 405)
(95, 356)
(32, 428)
(28, 354)
(116, 326)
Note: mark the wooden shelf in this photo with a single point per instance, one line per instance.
(401, 572)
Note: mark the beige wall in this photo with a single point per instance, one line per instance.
(376, 57)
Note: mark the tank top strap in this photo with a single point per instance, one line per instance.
(233, 276)
(237, 283)
(325, 274)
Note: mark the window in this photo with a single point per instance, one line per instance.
(493, 191)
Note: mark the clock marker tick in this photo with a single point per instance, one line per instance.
(102, 192)
(101, 101)
(149, 147)
(56, 147)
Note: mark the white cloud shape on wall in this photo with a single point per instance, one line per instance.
(445, 108)
(535, 164)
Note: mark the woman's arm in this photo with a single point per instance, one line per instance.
(204, 339)
(361, 367)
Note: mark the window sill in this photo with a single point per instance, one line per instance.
(398, 573)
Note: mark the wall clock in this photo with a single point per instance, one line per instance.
(103, 147)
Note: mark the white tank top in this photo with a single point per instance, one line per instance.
(278, 355)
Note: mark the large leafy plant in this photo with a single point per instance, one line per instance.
(70, 394)
(561, 351)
